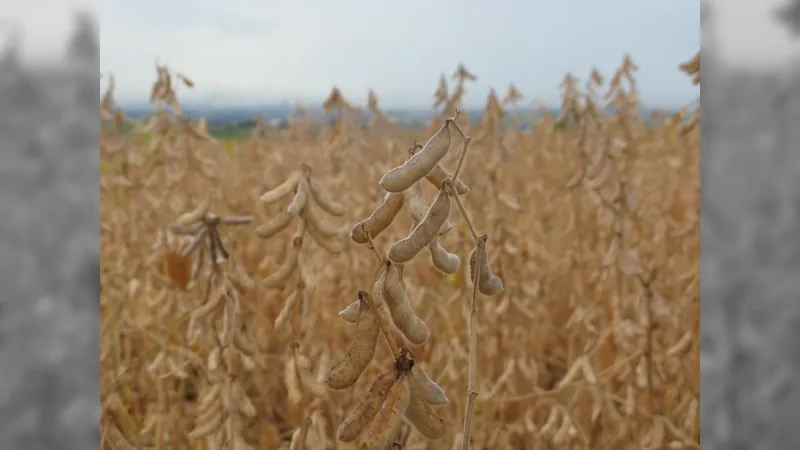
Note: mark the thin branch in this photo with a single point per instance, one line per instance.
(466, 443)
(449, 186)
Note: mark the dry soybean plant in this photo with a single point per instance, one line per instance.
(692, 68)
(223, 402)
(388, 311)
(450, 101)
(592, 342)
(309, 200)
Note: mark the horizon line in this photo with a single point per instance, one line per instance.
(291, 105)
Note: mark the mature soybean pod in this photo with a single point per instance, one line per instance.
(412, 327)
(331, 244)
(443, 260)
(418, 207)
(439, 174)
(324, 228)
(194, 215)
(300, 197)
(405, 249)
(288, 267)
(324, 200)
(282, 190)
(194, 243)
(380, 430)
(277, 224)
(379, 297)
(418, 166)
(289, 306)
(350, 313)
(378, 220)
(427, 389)
(365, 411)
(360, 352)
(488, 283)
(423, 418)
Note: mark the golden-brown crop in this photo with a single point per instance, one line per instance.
(587, 339)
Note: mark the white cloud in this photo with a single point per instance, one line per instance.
(263, 50)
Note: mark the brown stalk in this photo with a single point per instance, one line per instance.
(472, 394)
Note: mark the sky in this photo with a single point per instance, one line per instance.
(252, 51)
(256, 51)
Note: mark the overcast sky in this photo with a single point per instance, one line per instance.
(251, 51)
(257, 50)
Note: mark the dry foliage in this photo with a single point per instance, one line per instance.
(579, 330)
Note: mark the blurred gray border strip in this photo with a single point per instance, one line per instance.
(750, 253)
(49, 245)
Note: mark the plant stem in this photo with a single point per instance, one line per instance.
(466, 442)
(463, 210)
(472, 365)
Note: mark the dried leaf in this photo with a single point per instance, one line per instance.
(179, 269)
